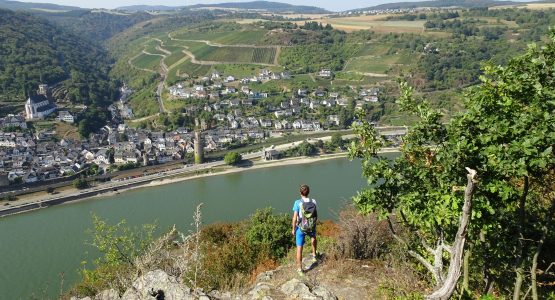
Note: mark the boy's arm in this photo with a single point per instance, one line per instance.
(294, 223)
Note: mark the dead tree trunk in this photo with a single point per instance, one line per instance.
(534, 270)
(519, 264)
(448, 287)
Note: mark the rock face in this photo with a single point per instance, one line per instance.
(266, 289)
(108, 295)
(157, 285)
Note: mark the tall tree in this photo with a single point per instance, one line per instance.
(506, 135)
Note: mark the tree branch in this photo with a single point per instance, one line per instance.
(413, 253)
(445, 291)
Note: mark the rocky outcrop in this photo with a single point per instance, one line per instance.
(157, 284)
(266, 289)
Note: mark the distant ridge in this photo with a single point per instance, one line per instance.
(273, 7)
(16, 5)
(445, 3)
(149, 8)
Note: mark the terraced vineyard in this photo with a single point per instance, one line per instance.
(177, 55)
(239, 37)
(224, 54)
(145, 61)
(264, 55)
(378, 59)
(187, 68)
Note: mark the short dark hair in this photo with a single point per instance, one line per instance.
(305, 190)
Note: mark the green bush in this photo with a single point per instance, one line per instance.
(234, 253)
(271, 231)
(233, 158)
(80, 183)
(119, 246)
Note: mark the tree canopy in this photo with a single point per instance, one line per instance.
(507, 135)
(233, 158)
(34, 51)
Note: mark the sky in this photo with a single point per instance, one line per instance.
(332, 5)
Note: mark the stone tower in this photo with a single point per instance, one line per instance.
(43, 90)
(199, 148)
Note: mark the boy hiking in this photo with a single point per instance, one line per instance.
(303, 224)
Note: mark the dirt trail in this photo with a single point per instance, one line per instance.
(214, 44)
(144, 118)
(276, 58)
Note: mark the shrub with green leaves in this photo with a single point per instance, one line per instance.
(272, 231)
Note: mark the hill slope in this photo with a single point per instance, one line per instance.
(16, 5)
(274, 7)
(96, 25)
(439, 3)
(34, 51)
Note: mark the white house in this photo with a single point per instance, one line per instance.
(326, 73)
(65, 116)
(102, 157)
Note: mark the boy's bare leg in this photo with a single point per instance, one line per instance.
(314, 244)
(300, 257)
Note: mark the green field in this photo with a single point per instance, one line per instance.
(379, 64)
(145, 61)
(190, 69)
(150, 47)
(177, 55)
(225, 54)
(374, 49)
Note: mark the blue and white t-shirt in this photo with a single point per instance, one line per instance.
(297, 205)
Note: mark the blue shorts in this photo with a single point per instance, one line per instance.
(300, 236)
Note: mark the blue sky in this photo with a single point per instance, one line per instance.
(333, 5)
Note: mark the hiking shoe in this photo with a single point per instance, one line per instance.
(300, 272)
(314, 258)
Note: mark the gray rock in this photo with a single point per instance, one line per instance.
(203, 297)
(266, 276)
(296, 289)
(324, 293)
(157, 282)
(260, 290)
(108, 295)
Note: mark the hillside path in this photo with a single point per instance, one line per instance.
(214, 44)
(211, 63)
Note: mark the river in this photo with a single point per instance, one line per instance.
(38, 246)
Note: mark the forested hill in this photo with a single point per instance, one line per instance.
(441, 3)
(16, 5)
(35, 51)
(96, 25)
(274, 7)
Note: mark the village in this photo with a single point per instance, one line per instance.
(232, 117)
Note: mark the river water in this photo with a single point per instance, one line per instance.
(37, 247)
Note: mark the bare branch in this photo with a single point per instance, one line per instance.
(445, 291)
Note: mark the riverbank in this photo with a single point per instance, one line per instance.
(43, 200)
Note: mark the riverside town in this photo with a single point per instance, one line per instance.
(277, 150)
